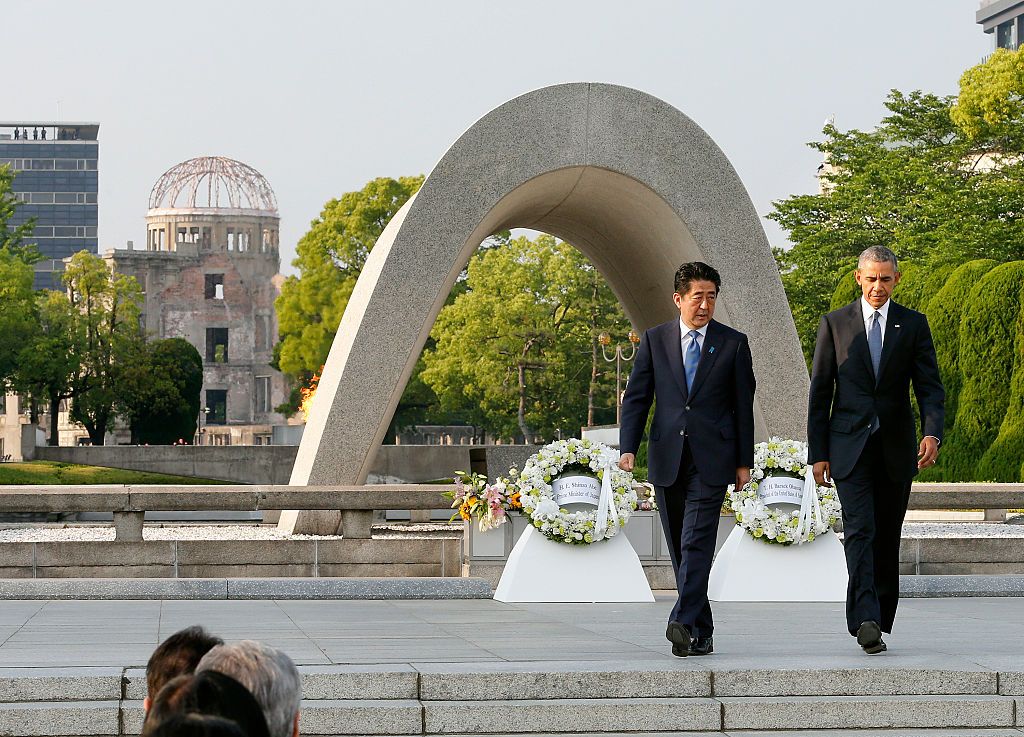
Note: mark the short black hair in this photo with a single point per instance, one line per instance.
(693, 271)
(178, 655)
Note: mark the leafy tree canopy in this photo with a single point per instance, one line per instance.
(930, 182)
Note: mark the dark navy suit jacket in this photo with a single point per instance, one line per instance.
(716, 417)
(845, 395)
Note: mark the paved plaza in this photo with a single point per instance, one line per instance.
(946, 633)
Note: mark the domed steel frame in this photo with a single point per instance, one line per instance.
(212, 182)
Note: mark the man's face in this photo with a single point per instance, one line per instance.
(697, 306)
(877, 279)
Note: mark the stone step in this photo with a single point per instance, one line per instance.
(59, 719)
(559, 715)
(832, 715)
(866, 712)
(323, 717)
(501, 681)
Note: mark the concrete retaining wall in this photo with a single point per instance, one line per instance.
(261, 464)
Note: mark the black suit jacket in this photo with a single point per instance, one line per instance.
(845, 397)
(716, 416)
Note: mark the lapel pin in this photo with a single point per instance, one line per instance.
(712, 348)
(896, 326)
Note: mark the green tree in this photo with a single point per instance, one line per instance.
(329, 258)
(515, 352)
(50, 359)
(160, 392)
(108, 304)
(917, 184)
(12, 238)
(990, 106)
(18, 319)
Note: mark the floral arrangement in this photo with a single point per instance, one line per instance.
(780, 457)
(578, 527)
(488, 504)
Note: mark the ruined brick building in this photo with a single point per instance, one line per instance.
(210, 275)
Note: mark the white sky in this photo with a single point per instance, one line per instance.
(323, 96)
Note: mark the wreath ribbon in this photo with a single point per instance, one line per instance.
(606, 502)
(810, 507)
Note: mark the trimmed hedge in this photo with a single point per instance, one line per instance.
(1003, 459)
(990, 332)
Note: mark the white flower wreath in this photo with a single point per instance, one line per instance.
(580, 527)
(779, 457)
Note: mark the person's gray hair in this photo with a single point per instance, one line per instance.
(268, 673)
(879, 255)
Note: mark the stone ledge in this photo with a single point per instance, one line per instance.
(577, 680)
(60, 718)
(359, 588)
(853, 682)
(60, 684)
(113, 588)
(1011, 683)
(587, 715)
(342, 682)
(946, 586)
(866, 712)
(241, 588)
(362, 717)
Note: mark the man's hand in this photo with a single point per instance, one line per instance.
(626, 461)
(927, 452)
(742, 477)
(822, 473)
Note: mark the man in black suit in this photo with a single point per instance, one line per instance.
(860, 430)
(701, 375)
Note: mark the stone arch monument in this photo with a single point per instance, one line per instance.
(632, 182)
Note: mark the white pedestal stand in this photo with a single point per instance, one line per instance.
(750, 570)
(541, 570)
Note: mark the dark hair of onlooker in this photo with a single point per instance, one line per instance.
(195, 725)
(179, 654)
(693, 271)
(211, 694)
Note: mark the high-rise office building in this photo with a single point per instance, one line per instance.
(56, 167)
(1004, 19)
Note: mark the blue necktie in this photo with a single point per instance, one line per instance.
(691, 358)
(875, 342)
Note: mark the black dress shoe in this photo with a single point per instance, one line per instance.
(702, 645)
(869, 637)
(679, 635)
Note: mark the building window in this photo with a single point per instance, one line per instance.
(216, 406)
(215, 286)
(262, 394)
(1004, 35)
(231, 239)
(216, 345)
(263, 337)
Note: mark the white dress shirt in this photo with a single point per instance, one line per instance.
(883, 315)
(868, 311)
(684, 332)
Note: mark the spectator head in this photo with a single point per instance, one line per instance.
(191, 724)
(178, 655)
(208, 693)
(270, 676)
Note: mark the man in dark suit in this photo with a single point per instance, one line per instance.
(860, 430)
(702, 438)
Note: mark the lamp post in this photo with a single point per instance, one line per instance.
(605, 340)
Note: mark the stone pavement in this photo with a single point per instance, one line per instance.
(953, 634)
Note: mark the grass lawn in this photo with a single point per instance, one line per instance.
(51, 473)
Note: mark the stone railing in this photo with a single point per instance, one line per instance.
(129, 503)
(994, 499)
